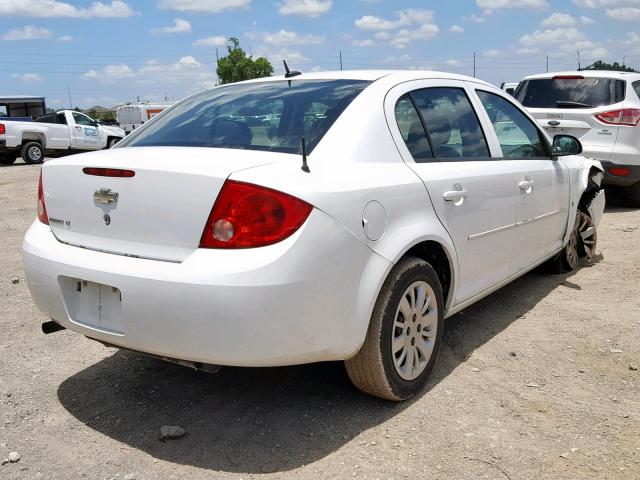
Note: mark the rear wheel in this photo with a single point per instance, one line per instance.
(582, 244)
(404, 336)
(7, 160)
(32, 152)
(632, 195)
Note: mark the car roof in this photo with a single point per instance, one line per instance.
(373, 75)
(587, 74)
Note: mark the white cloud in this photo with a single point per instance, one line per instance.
(286, 38)
(492, 5)
(457, 29)
(418, 24)
(382, 35)
(203, 6)
(212, 41)
(154, 73)
(27, 77)
(491, 53)
(369, 42)
(528, 51)
(629, 14)
(54, 8)
(65, 38)
(565, 41)
(452, 62)
(305, 8)
(605, 3)
(179, 26)
(558, 19)
(28, 32)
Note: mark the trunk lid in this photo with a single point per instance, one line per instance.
(159, 213)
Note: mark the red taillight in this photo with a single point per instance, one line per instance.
(42, 209)
(2, 130)
(626, 116)
(247, 216)
(620, 171)
(108, 172)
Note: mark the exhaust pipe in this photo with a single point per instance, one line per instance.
(51, 327)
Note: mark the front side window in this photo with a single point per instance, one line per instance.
(412, 130)
(517, 135)
(267, 116)
(451, 122)
(81, 119)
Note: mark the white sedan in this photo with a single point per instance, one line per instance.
(373, 206)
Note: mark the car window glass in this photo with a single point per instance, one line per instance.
(62, 119)
(266, 116)
(453, 127)
(570, 92)
(517, 135)
(412, 131)
(47, 119)
(82, 119)
(636, 87)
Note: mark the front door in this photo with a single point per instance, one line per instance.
(85, 133)
(472, 193)
(542, 183)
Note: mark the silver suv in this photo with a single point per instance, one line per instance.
(602, 109)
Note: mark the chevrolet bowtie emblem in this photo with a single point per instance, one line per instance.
(105, 196)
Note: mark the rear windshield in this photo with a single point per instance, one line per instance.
(570, 93)
(270, 116)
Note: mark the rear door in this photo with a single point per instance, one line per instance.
(568, 104)
(542, 193)
(440, 136)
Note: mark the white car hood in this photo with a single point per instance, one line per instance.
(113, 131)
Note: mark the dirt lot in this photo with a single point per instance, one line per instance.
(534, 382)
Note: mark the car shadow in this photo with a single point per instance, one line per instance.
(250, 420)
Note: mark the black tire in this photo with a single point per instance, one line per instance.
(112, 141)
(7, 160)
(632, 195)
(373, 369)
(32, 153)
(577, 248)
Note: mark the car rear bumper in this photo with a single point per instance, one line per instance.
(306, 299)
(620, 175)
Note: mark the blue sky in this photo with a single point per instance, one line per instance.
(108, 51)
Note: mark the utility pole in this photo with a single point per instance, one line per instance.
(547, 63)
(579, 60)
(624, 60)
(340, 59)
(474, 64)
(217, 63)
(69, 92)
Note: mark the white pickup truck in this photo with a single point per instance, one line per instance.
(55, 134)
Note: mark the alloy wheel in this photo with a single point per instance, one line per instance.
(414, 330)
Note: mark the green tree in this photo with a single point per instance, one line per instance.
(615, 66)
(238, 66)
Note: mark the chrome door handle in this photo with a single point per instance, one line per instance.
(78, 128)
(526, 185)
(454, 195)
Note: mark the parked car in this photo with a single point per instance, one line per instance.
(510, 87)
(600, 108)
(207, 241)
(135, 115)
(55, 134)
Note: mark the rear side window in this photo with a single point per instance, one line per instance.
(452, 125)
(268, 116)
(570, 92)
(412, 130)
(636, 87)
(50, 118)
(518, 136)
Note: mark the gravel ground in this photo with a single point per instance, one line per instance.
(535, 382)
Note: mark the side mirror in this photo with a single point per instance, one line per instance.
(564, 145)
